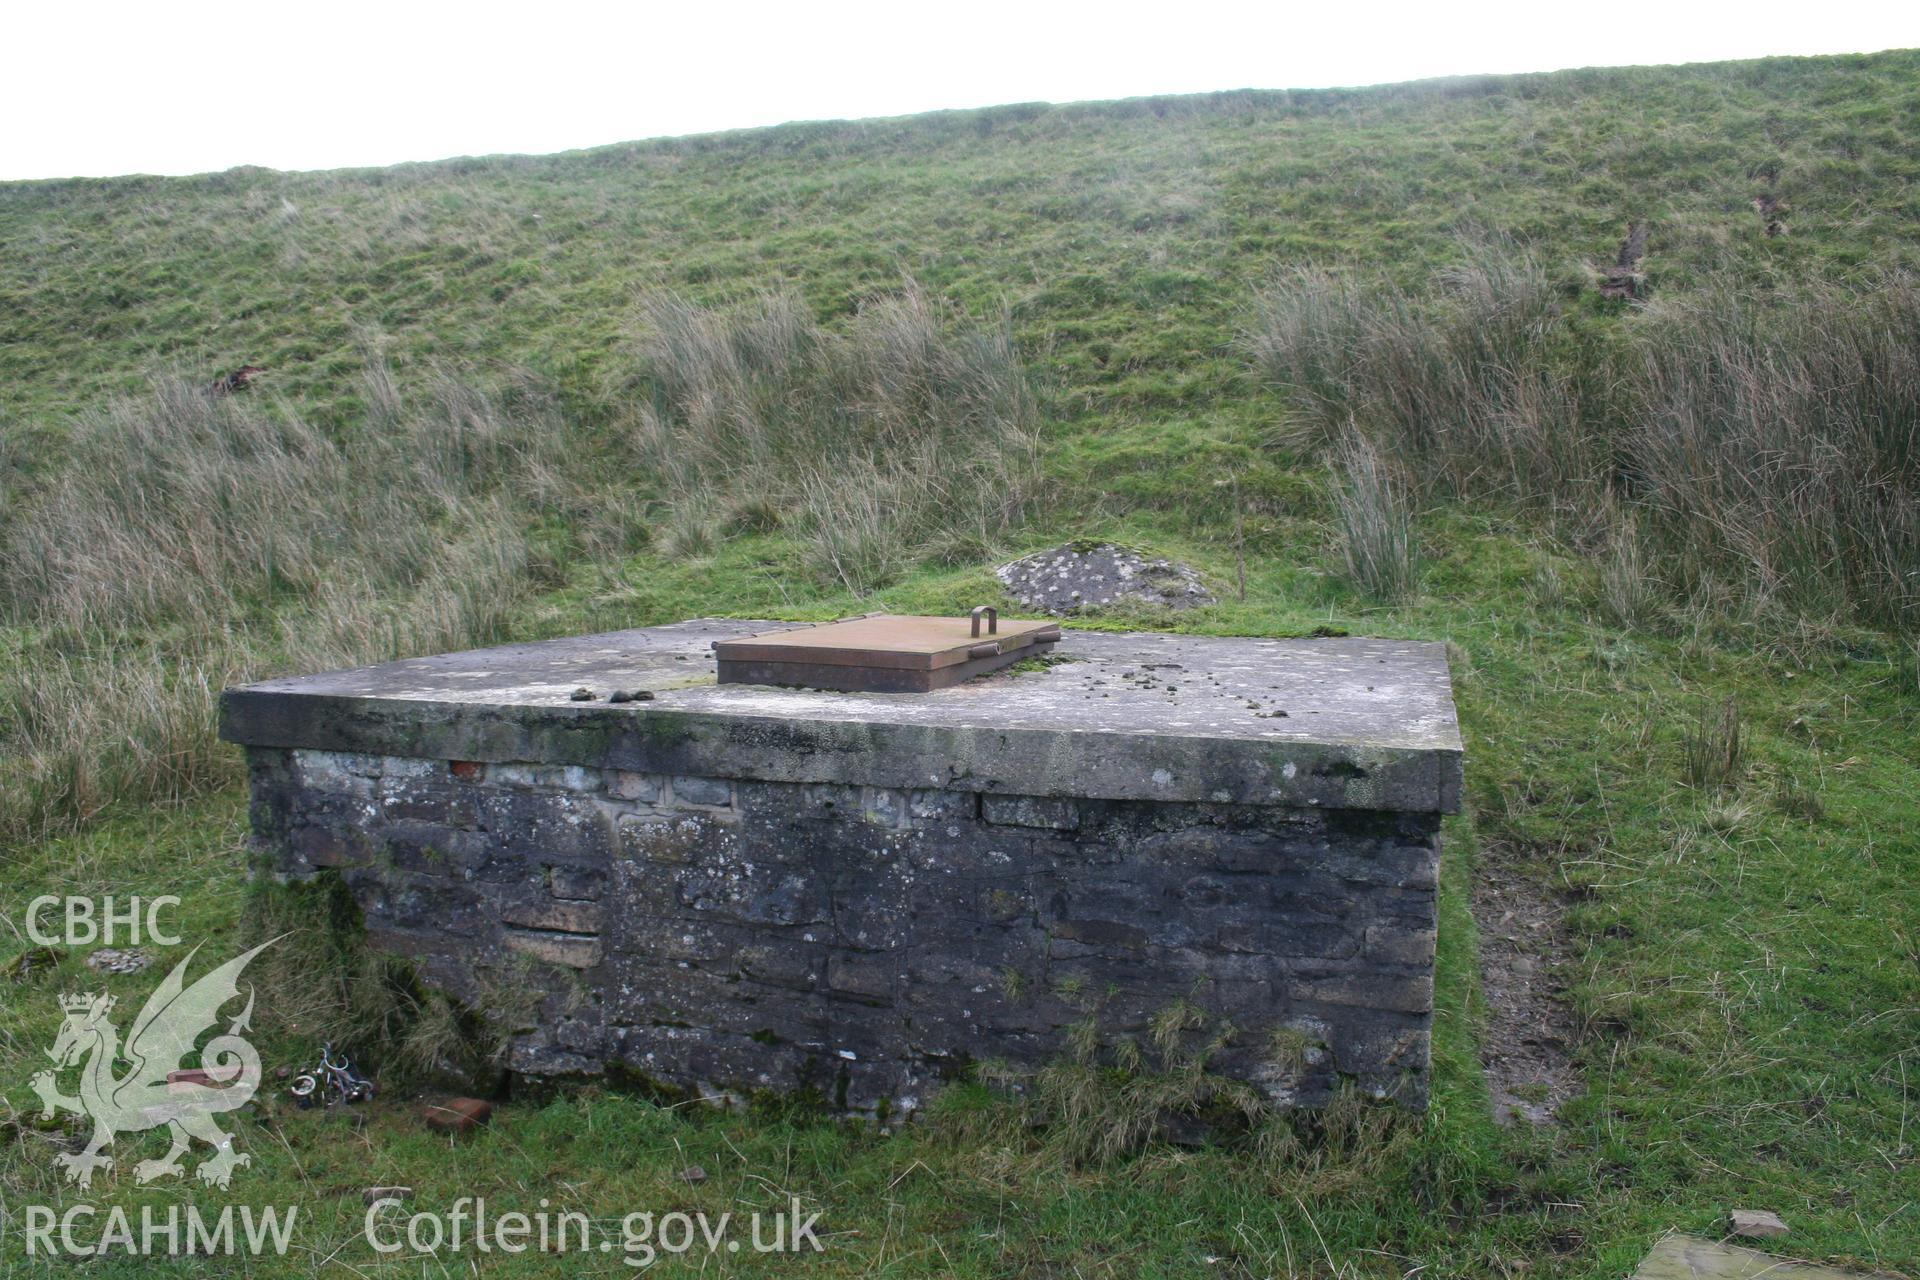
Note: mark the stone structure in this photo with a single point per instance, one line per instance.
(737, 888)
(1090, 577)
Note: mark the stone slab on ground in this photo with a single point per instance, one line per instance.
(1321, 723)
(1681, 1257)
(1755, 1224)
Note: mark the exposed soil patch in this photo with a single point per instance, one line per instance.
(1771, 212)
(1530, 1030)
(1623, 279)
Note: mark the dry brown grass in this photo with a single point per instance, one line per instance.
(1373, 514)
(880, 445)
(193, 542)
(1767, 445)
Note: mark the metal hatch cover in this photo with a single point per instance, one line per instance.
(885, 653)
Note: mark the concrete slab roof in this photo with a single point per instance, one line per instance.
(1337, 723)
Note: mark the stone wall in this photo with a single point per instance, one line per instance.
(727, 936)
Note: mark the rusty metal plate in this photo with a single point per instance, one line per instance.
(888, 653)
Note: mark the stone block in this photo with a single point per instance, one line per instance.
(1408, 992)
(568, 950)
(884, 806)
(567, 777)
(335, 770)
(665, 993)
(1030, 811)
(1214, 849)
(1368, 1041)
(624, 784)
(934, 807)
(329, 846)
(863, 975)
(718, 1065)
(545, 1060)
(1401, 946)
(545, 826)
(752, 895)
(657, 838)
(432, 848)
(410, 767)
(1099, 935)
(1755, 1224)
(442, 801)
(707, 792)
(796, 966)
(707, 941)
(578, 883)
(1305, 939)
(553, 915)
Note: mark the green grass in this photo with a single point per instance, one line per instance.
(1745, 966)
(1749, 989)
(1123, 237)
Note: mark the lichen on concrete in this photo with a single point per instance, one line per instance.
(1336, 723)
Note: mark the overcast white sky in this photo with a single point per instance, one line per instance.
(187, 87)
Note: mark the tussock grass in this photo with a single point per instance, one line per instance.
(1373, 513)
(1776, 441)
(1348, 1147)
(1457, 380)
(1715, 747)
(177, 507)
(1766, 441)
(876, 446)
(192, 542)
(1627, 586)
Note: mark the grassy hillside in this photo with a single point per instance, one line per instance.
(1345, 344)
(1122, 236)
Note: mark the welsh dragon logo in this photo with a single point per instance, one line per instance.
(156, 1089)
